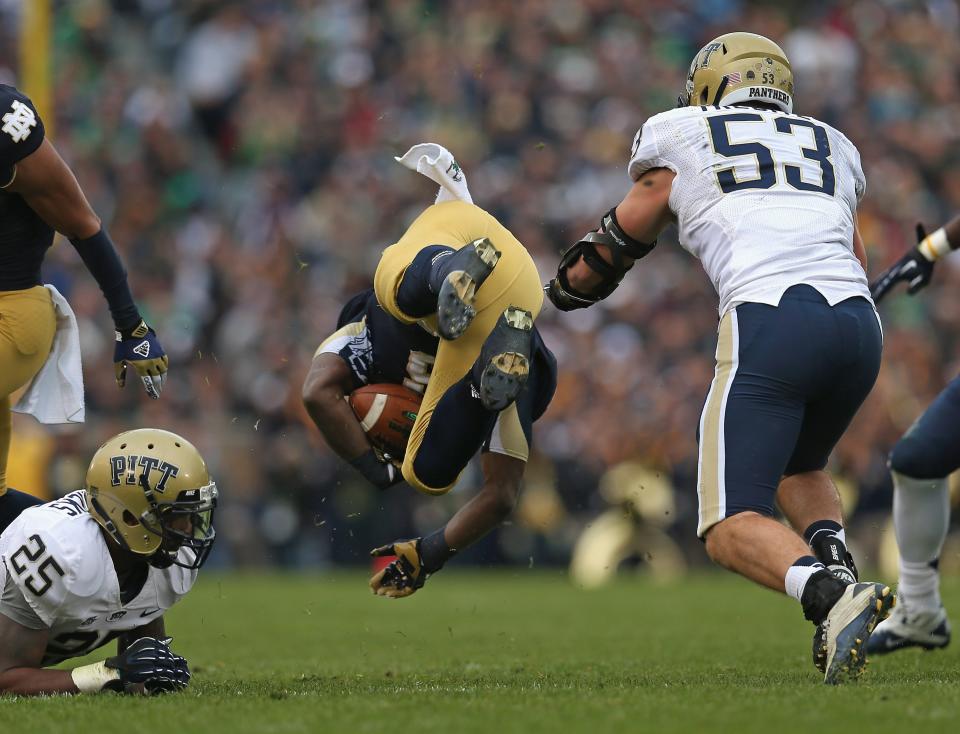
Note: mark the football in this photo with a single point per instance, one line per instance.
(387, 413)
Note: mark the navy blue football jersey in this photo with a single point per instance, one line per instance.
(378, 348)
(24, 236)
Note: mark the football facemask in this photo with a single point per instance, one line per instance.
(185, 526)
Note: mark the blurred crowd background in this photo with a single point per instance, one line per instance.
(241, 154)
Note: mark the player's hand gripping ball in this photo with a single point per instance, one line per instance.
(387, 413)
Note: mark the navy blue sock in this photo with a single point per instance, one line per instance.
(457, 429)
(417, 294)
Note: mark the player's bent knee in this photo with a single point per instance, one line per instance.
(717, 537)
(430, 472)
(427, 485)
(916, 458)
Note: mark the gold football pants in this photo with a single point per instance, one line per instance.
(27, 325)
(513, 282)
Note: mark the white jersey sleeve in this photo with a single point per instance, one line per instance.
(765, 200)
(645, 153)
(14, 605)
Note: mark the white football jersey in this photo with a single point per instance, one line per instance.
(765, 199)
(57, 557)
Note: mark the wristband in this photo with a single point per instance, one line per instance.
(94, 678)
(434, 551)
(935, 246)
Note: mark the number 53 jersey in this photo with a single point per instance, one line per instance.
(57, 574)
(765, 199)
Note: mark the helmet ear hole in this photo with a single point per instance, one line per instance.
(703, 96)
(130, 519)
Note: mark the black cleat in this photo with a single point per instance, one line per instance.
(504, 363)
(467, 268)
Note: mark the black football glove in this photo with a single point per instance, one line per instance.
(151, 662)
(566, 298)
(912, 267)
(405, 575)
(139, 346)
(380, 472)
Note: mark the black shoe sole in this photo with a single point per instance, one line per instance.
(506, 369)
(470, 266)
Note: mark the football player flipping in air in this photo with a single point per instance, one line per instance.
(106, 562)
(920, 463)
(451, 317)
(38, 196)
(767, 201)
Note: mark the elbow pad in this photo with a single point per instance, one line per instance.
(620, 245)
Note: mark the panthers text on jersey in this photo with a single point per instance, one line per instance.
(765, 199)
(55, 558)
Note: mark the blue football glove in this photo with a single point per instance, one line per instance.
(140, 347)
(150, 662)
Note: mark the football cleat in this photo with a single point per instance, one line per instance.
(848, 626)
(847, 574)
(467, 268)
(504, 362)
(905, 627)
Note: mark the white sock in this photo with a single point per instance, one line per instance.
(797, 576)
(919, 585)
(921, 516)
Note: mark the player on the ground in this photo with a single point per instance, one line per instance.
(106, 562)
(767, 200)
(920, 464)
(451, 315)
(38, 196)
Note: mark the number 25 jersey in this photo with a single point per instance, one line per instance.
(766, 200)
(56, 559)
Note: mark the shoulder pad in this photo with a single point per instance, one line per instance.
(21, 129)
(677, 113)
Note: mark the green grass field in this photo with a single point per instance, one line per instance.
(515, 651)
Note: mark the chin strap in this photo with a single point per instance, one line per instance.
(618, 243)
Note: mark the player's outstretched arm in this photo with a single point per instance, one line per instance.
(592, 269)
(21, 651)
(324, 391)
(916, 267)
(143, 665)
(420, 557)
(49, 187)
